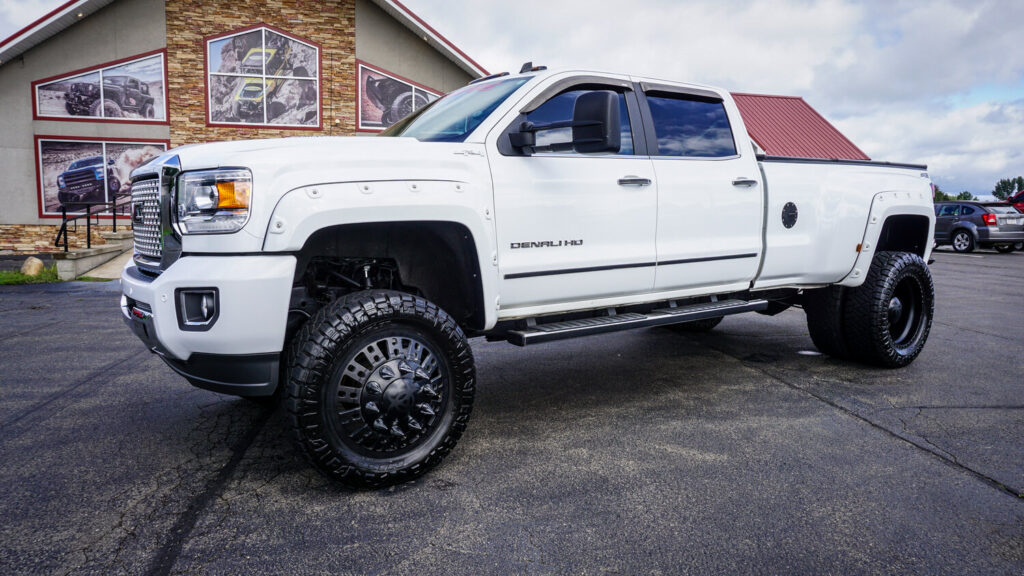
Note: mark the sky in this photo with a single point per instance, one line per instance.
(939, 82)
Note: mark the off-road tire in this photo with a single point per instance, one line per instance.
(962, 241)
(113, 184)
(147, 111)
(705, 325)
(1004, 248)
(824, 309)
(887, 319)
(112, 109)
(324, 354)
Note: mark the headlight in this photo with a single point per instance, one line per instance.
(60, 180)
(213, 201)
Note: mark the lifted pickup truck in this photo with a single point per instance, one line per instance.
(347, 274)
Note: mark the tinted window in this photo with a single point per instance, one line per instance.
(966, 210)
(691, 127)
(560, 108)
(948, 210)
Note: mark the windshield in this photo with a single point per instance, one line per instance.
(457, 114)
(1002, 209)
(118, 80)
(84, 162)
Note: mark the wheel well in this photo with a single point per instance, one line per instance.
(904, 233)
(435, 259)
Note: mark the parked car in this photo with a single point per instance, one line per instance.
(967, 225)
(120, 94)
(1017, 201)
(83, 181)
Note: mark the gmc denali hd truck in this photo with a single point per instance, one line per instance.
(346, 275)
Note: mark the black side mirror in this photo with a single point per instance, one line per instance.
(595, 122)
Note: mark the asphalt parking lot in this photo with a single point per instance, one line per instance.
(645, 452)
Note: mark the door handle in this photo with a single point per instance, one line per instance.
(634, 181)
(744, 181)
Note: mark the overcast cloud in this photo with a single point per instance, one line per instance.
(939, 82)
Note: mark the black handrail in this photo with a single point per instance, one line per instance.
(111, 207)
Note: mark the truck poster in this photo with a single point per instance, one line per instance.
(385, 99)
(73, 173)
(263, 77)
(125, 91)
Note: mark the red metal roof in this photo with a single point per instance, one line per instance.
(788, 126)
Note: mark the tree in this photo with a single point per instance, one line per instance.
(1007, 187)
(965, 195)
(941, 196)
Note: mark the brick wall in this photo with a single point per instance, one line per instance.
(329, 23)
(39, 238)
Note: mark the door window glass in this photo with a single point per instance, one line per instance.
(948, 210)
(691, 126)
(559, 109)
(966, 210)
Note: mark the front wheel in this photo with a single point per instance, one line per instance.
(963, 241)
(380, 388)
(887, 319)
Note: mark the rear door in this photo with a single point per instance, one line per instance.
(945, 216)
(710, 196)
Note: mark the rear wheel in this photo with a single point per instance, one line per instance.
(1004, 248)
(380, 389)
(887, 319)
(963, 241)
(824, 309)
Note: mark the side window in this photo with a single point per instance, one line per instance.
(948, 210)
(559, 109)
(966, 210)
(691, 126)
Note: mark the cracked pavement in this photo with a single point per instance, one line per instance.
(647, 452)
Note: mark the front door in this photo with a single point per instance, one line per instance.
(945, 216)
(574, 227)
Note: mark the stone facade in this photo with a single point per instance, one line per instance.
(329, 23)
(30, 238)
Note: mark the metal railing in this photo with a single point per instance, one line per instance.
(92, 209)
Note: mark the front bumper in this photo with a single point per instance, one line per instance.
(239, 353)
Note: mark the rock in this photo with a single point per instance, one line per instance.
(33, 266)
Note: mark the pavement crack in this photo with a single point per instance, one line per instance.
(1016, 493)
(167, 555)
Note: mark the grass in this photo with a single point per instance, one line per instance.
(11, 277)
(92, 279)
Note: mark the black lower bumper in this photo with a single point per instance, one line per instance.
(251, 375)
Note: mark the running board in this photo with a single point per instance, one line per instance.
(613, 323)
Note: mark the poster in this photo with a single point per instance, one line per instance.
(129, 91)
(74, 172)
(385, 99)
(263, 77)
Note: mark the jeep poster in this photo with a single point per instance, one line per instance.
(384, 99)
(262, 77)
(75, 172)
(129, 91)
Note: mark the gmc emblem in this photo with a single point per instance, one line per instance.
(137, 217)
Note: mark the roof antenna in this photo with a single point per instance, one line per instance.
(526, 67)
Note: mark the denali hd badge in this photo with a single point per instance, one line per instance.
(546, 244)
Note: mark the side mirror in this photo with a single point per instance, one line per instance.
(595, 122)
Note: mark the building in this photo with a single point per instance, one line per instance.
(788, 126)
(96, 87)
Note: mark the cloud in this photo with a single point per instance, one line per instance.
(16, 14)
(900, 77)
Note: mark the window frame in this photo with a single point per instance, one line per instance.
(681, 93)
(264, 28)
(637, 124)
(99, 68)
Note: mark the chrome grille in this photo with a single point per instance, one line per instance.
(146, 197)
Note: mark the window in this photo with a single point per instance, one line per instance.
(691, 126)
(948, 210)
(262, 76)
(129, 90)
(560, 109)
(966, 210)
(386, 98)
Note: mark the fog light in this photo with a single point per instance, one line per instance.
(198, 308)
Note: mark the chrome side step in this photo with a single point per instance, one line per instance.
(613, 323)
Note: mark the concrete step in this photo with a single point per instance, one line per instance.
(71, 265)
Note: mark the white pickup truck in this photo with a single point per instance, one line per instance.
(345, 275)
